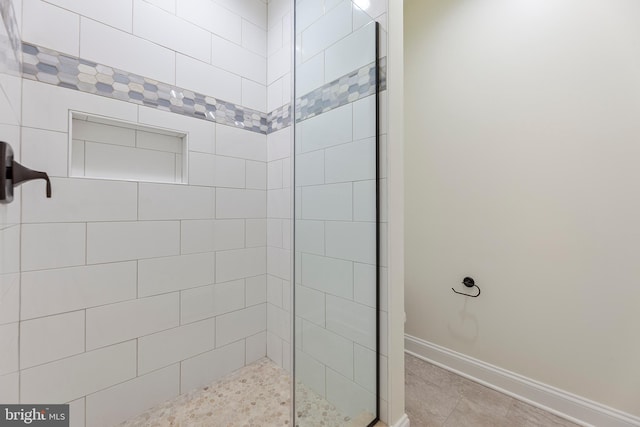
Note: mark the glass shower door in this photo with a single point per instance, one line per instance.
(336, 216)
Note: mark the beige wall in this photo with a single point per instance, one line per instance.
(522, 151)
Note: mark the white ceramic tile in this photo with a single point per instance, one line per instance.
(254, 11)
(231, 203)
(256, 232)
(355, 241)
(56, 291)
(286, 172)
(114, 162)
(256, 347)
(364, 284)
(205, 78)
(106, 45)
(350, 398)
(278, 262)
(9, 388)
(52, 245)
(211, 366)
(115, 323)
(332, 27)
(274, 38)
(364, 201)
(237, 60)
(297, 333)
(165, 201)
(329, 275)
(202, 168)
(274, 95)
(274, 232)
(351, 53)
(287, 299)
(256, 175)
(240, 324)
(77, 413)
(254, 38)
(278, 64)
(101, 132)
(171, 346)
(329, 348)
(277, 9)
(82, 374)
(229, 172)
(121, 241)
(165, 29)
(10, 244)
(44, 150)
(310, 237)
(355, 161)
(274, 290)
(200, 133)
(274, 174)
(47, 106)
(278, 321)
(212, 17)
(279, 203)
(76, 165)
(235, 142)
(310, 168)
(50, 338)
(212, 235)
(310, 372)
(351, 320)
(47, 25)
(328, 129)
(116, 13)
(10, 297)
(287, 86)
(168, 5)
(158, 141)
(255, 290)
(327, 202)
(279, 144)
(310, 304)
(307, 12)
(9, 361)
(365, 367)
(274, 348)
(124, 401)
(208, 301)
(310, 75)
(364, 118)
(81, 200)
(241, 263)
(254, 95)
(161, 275)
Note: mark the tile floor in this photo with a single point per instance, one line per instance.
(436, 397)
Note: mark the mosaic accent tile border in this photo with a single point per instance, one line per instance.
(49, 66)
(348, 88)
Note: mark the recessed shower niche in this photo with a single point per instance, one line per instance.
(105, 148)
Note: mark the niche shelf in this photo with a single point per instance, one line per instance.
(105, 148)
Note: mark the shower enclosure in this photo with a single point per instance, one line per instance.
(178, 248)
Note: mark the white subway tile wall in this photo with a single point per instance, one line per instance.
(140, 290)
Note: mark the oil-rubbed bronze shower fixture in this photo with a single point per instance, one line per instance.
(13, 174)
(469, 283)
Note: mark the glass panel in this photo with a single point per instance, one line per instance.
(336, 217)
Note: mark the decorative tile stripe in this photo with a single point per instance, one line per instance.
(348, 88)
(279, 118)
(49, 66)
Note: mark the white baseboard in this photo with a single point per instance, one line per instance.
(559, 402)
(402, 422)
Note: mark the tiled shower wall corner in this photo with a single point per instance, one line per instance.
(334, 260)
(10, 120)
(279, 188)
(135, 292)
